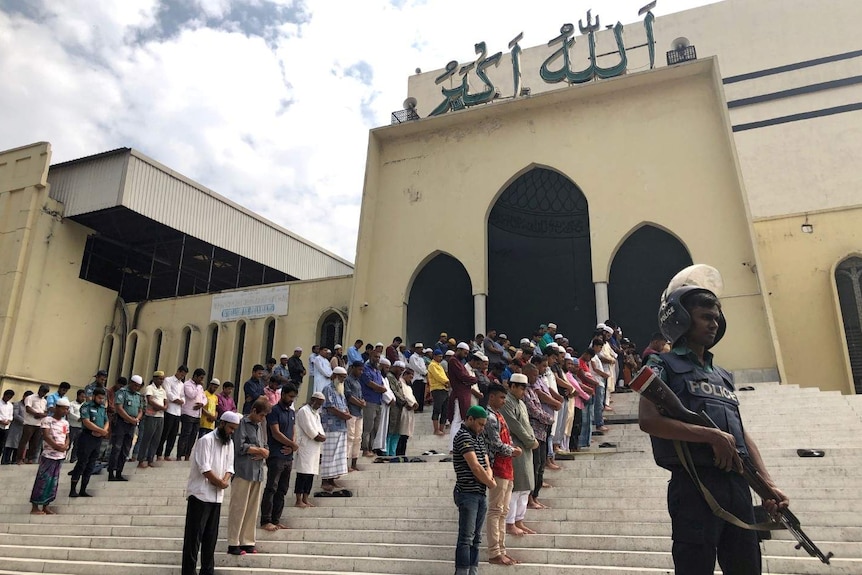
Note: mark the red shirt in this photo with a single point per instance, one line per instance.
(502, 467)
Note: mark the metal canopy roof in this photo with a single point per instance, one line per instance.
(98, 190)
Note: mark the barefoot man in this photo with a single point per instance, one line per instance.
(55, 435)
(514, 412)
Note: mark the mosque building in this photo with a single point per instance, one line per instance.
(565, 182)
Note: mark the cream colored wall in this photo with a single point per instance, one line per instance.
(309, 302)
(46, 306)
(783, 164)
(659, 139)
(798, 271)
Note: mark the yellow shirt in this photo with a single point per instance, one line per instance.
(437, 378)
(212, 401)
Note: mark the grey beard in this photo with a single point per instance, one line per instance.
(339, 387)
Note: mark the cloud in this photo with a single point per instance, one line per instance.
(267, 102)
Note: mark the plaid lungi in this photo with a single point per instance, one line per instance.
(47, 480)
(333, 463)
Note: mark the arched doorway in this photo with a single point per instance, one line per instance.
(848, 278)
(539, 262)
(640, 272)
(441, 299)
(331, 330)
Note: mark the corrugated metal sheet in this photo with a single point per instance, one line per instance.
(91, 185)
(142, 185)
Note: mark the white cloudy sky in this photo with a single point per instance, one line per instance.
(268, 102)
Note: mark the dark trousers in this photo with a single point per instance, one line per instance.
(31, 435)
(540, 458)
(699, 537)
(201, 535)
(188, 435)
(88, 453)
(439, 398)
(121, 443)
(302, 484)
(170, 428)
(418, 386)
(402, 445)
(3, 433)
(74, 435)
(277, 481)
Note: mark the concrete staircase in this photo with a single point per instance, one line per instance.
(608, 509)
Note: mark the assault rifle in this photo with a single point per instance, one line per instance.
(652, 388)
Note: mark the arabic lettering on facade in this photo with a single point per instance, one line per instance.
(459, 96)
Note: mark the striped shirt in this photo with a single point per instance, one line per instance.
(466, 441)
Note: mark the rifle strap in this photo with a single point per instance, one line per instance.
(684, 455)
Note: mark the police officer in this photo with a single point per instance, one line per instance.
(94, 427)
(129, 409)
(691, 318)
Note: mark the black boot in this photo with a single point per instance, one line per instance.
(83, 491)
(74, 490)
(111, 476)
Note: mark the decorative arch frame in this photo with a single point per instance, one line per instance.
(631, 232)
(135, 343)
(426, 260)
(155, 355)
(324, 315)
(110, 356)
(265, 354)
(839, 317)
(210, 354)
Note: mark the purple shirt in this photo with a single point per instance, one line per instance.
(225, 403)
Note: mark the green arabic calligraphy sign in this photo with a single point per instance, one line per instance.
(460, 96)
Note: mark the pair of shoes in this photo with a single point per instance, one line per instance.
(117, 478)
(249, 549)
(235, 550)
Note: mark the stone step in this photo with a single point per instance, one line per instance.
(286, 541)
(132, 513)
(159, 525)
(397, 563)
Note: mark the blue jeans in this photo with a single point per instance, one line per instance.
(587, 423)
(598, 407)
(472, 508)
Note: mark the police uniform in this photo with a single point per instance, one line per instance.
(88, 444)
(122, 431)
(698, 535)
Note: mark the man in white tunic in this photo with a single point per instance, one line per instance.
(210, 474)
(388, 397)
(309, 436)
(322, 369)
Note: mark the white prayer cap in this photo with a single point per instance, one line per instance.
(297, 349)
(558, 336)
(337, 346)
(554, 346)
(503, 336)
(379, 344)
(552, 326)
(449, 352)
(463, 345)
(399, 364)
(63, 402)
(525, 340)
(568, 356)
(231, 417)
(608, 329)
(339, 371)
(419, 344)
(601, 326)
(384, 361)
(481, 356)
(283, 356)
(427, 350)
(318, 395)
(215, 381)
(138, 379)
(518, 378)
